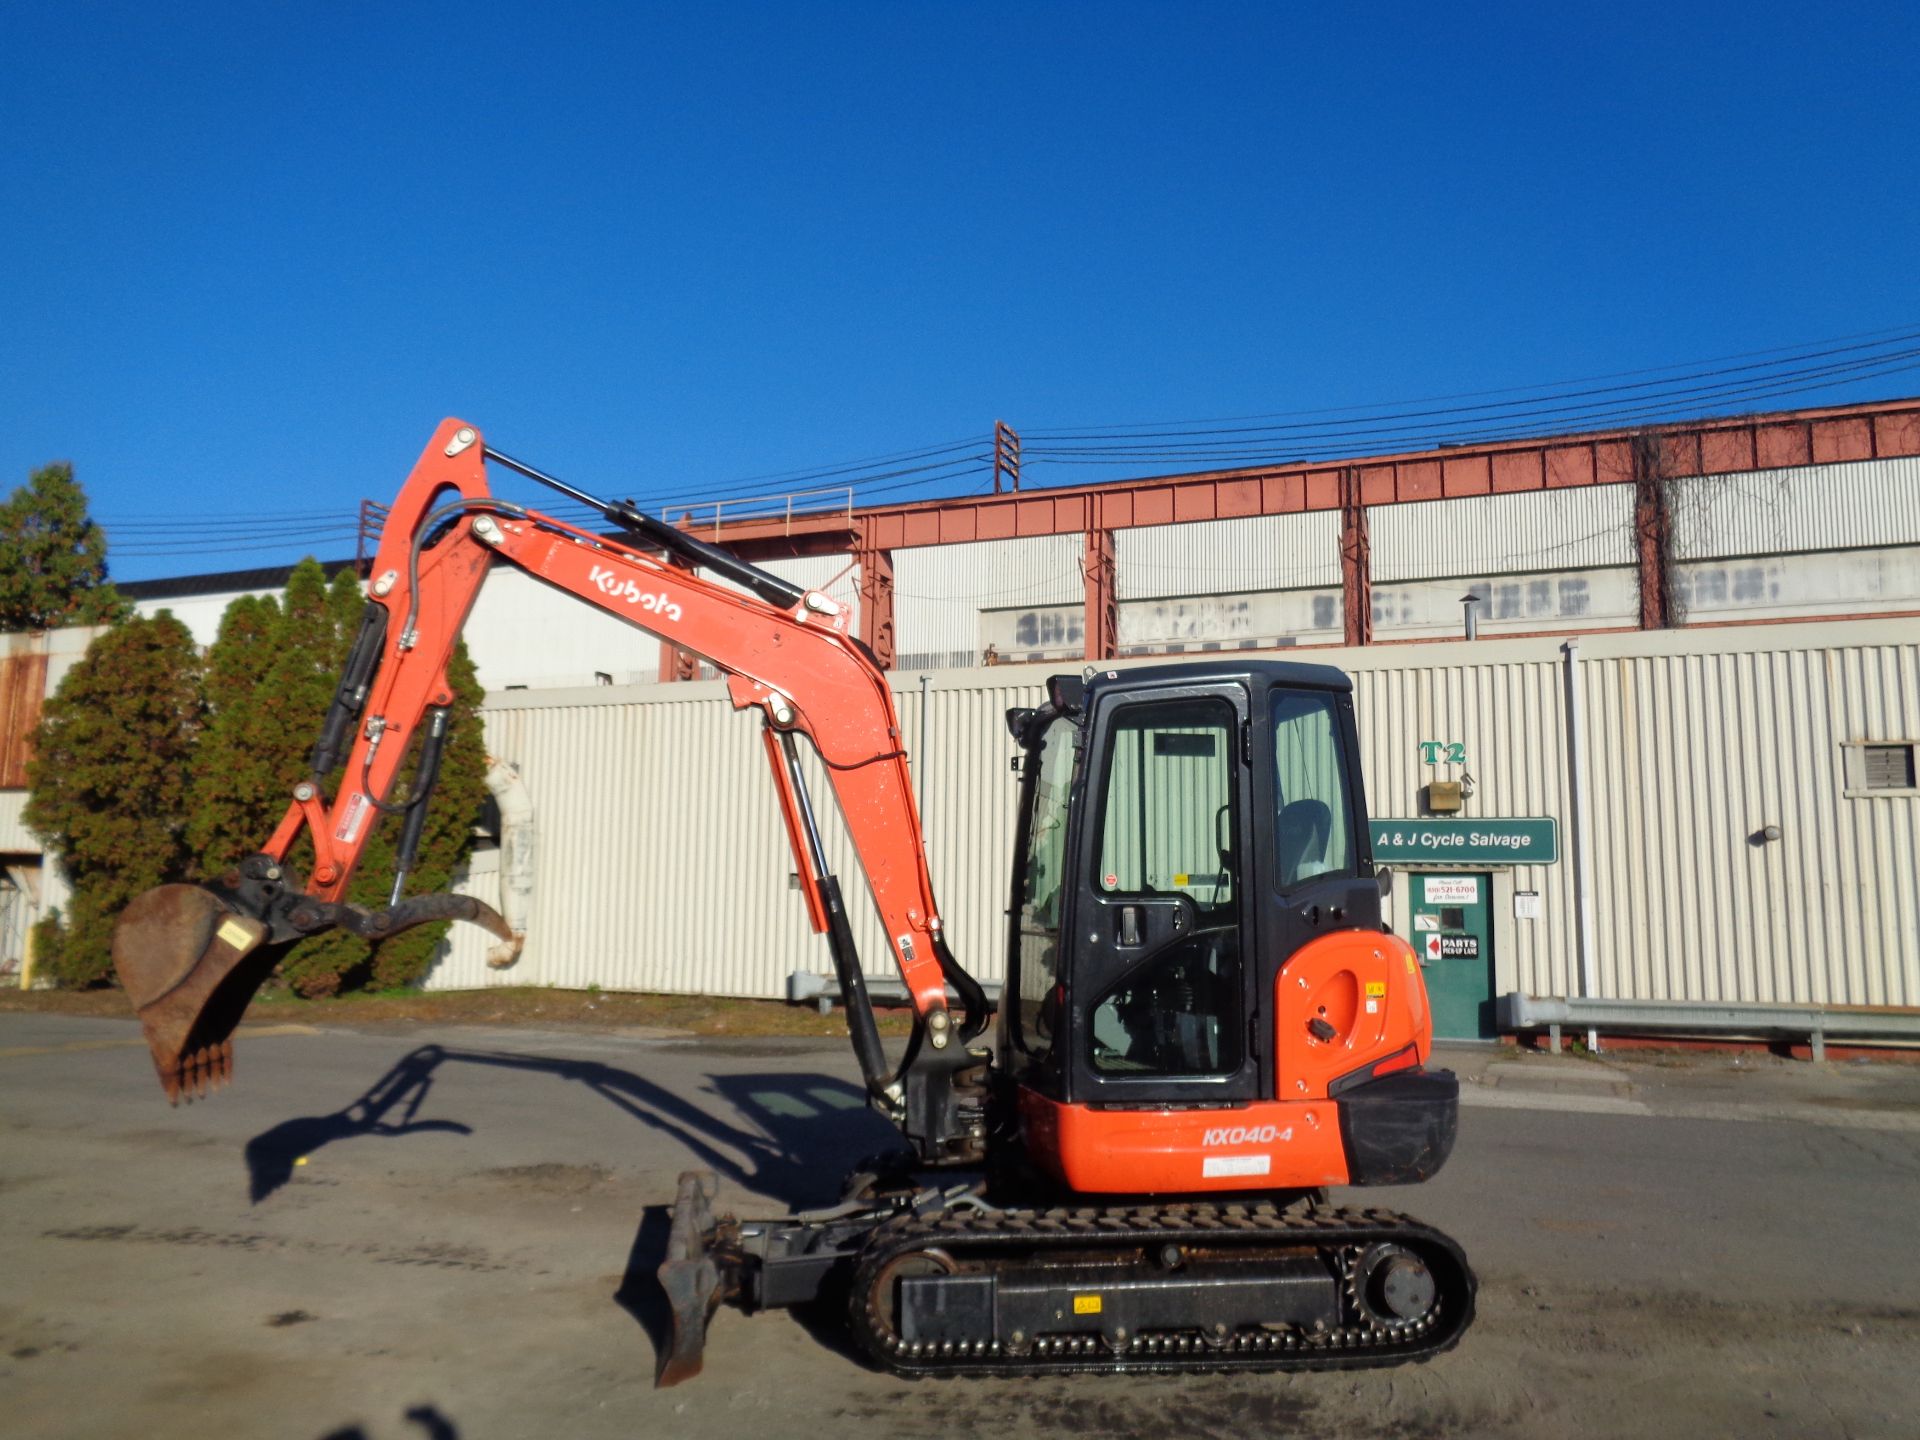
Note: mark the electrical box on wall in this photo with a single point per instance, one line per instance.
(1443, 797)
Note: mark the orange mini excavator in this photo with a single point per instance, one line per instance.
(1203, 1024)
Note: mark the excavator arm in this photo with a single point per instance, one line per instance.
(192, 956)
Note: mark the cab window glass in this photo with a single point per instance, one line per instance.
(1166, 822)
(1042, 870)
(1176, 1015)
(1314, 835)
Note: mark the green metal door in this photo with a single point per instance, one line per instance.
(1453, 936)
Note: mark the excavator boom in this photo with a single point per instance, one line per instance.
(191, 956)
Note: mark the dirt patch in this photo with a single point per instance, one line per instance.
(431, 1253)
(547, 1179)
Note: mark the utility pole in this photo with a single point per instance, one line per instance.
(373, 516)
(1006, 456)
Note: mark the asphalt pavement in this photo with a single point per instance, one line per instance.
(388, 1233)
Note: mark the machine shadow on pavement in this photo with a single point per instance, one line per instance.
(811, 1128)
(430, 1424)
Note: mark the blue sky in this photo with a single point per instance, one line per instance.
(253, 253)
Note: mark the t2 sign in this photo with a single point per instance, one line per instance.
(1443, 752)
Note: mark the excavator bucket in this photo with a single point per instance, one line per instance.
(691, 1278)
(190, 964)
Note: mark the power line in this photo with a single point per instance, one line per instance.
(1367, 426)
(1685, 390)
(1704, 404)
(1690, 365)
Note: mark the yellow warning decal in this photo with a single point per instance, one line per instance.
(1376, 988)
(235, 934)
(1182, 880)
(1086, 1304)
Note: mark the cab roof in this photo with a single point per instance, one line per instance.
(1188, 672)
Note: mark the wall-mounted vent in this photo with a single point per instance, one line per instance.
(1878, 767)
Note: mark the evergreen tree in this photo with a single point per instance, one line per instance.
(53, 557)
(339, 960)
(272, 675)
(239, 787)
(107, 787)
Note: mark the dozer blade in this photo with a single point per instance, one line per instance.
(691, 1278)
(190, 964)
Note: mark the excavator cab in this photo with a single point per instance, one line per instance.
(1196, 965)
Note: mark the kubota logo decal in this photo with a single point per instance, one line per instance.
(609, 583)
(1247, 1135)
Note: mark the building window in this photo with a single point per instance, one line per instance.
(1882, 767)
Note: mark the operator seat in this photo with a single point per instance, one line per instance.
(1305, 828)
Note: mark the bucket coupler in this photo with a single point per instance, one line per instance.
(191, 957)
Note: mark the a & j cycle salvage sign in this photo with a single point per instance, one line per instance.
(1533, 841)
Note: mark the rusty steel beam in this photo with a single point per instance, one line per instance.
(1102, 623)
(1704, 447)
(1356, 561)
(876, 604)
(1652, 533)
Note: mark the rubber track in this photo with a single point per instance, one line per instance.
(1214, 1226)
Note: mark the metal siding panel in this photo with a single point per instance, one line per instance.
(1585, 528)
(524, 631)
(662, 861)
(1802, 508)
(939, 591)
(1228, 557)
(15, 838)
(1693, 755)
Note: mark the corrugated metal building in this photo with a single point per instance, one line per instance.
(31, 668)
(1661, 553)
(663, 866)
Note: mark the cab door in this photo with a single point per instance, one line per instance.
(1161, 921)
(1316, 867)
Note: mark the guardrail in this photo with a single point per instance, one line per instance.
(1815, 1023)
(709, 516)
(821, 991)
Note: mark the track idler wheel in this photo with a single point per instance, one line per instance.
(1392, 1287)
(190, 965)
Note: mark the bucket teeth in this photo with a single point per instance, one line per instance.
(200, 1073)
